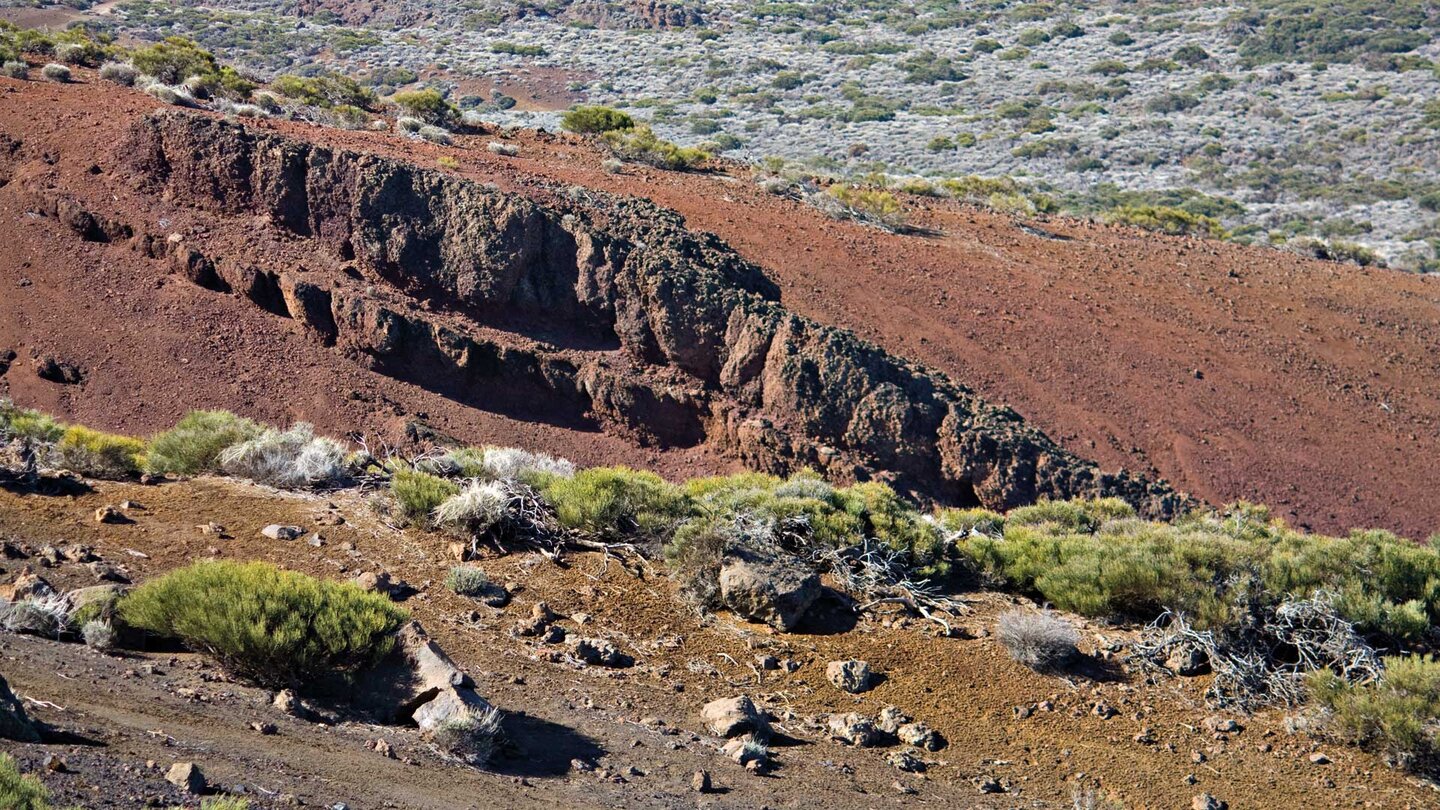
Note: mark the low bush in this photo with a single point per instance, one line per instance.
(511, 464)
(278, 628)
(614, 502)
(100, 455)
(56, 72)
(428, 105)
(474, 510)
(467, 580)
(435, 134)
(1165, 219)
(472, 738)
(20, 791)
(289, 458)
(1040, 641)
(418, 494)
(15, 69)
(194, 445)
(174, 60)
(98, 635)
(595, 120)
(874, 205)
(1089, 558)
(24, 423)
(119, 73)
(37, 616)
(642, 145)
(501, 148)
(1396, 716)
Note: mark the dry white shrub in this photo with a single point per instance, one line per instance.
(1038, 640)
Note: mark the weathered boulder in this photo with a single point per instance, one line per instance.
(415, 675)
(14, 723)
(920, 736)
(850, 676)
(854, 729)
(767, 588)
(729, 717)
(599, 652)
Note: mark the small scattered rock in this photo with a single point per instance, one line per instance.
(598, 651)
(905, 761)
(989, 784)
(854, 729)
(264, 729)
(276, 531)
(700, 782)
(187, 777)
(903, 789)
(920, 736)
(55, 764)
(1223, 725)
(850, 676)
(1207, 802)
(1318, 758)
(109, 514)
(890, 720)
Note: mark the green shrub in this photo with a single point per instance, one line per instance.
(100, 455)
(467, 580)
(1090, 557)
(595, 120)
(1166, 219)
(1396, 716)
(20, 791)
(278, 628)
(24, 423)
(174, 60)
(224, 803)
(56, 72)
(613, 502)
(193, 446)
(871, 204)
(418, 494)
(427, 105)
(325, 90)
(642, 145)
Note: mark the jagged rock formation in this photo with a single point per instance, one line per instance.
(592, 309)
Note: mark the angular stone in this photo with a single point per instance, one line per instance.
(730, 717)
(850, 676)
(765, 588)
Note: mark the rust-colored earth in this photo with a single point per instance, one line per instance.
(1234, 372)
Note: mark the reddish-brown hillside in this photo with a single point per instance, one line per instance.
(1233, 372)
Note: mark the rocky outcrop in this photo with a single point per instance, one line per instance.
(665, 335)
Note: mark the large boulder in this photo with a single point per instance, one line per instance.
(766, 588)
(14, 723)
(416, 683)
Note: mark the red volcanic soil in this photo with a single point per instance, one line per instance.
(1234, 372)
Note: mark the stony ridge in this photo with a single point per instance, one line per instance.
(679, 340)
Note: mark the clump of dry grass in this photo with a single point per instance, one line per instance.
(1040, 641)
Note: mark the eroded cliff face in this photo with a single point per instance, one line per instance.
(596, 310)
